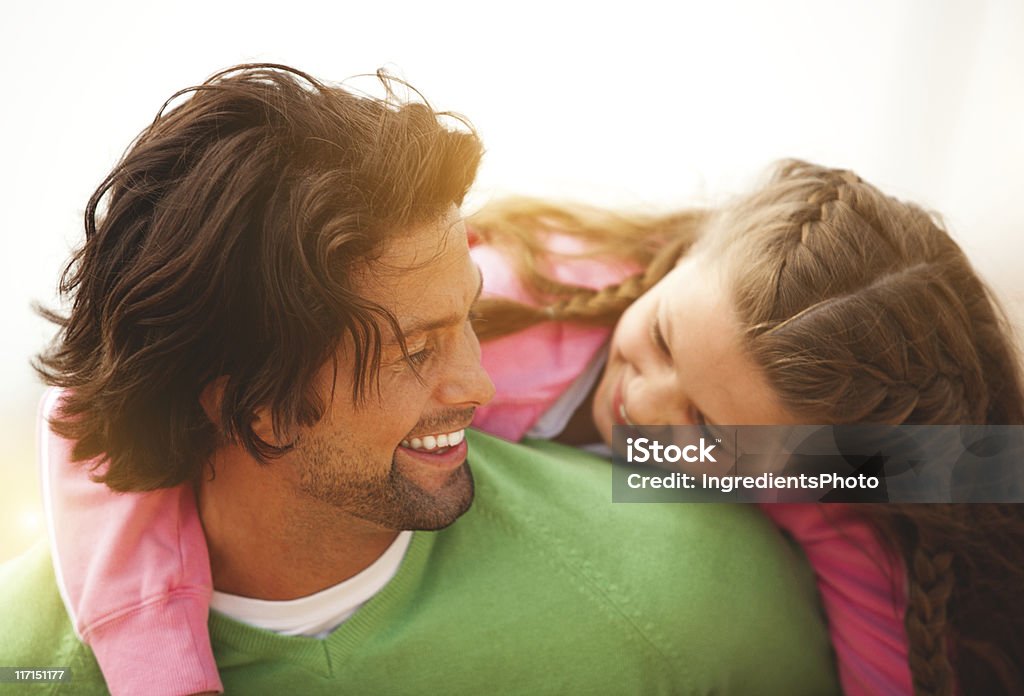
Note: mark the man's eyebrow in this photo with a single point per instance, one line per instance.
(428, 325)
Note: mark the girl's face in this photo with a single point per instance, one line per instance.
(676, 358)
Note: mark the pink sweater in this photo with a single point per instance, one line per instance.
(134, 572)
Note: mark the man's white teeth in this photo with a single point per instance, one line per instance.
(622, 414)
(429, 443)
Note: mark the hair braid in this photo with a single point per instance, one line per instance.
(654, 243)
(931, 582)
(606, 305)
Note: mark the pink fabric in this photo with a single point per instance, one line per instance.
(863, 591)
(134, 573)
(134, 569)
(532, 368)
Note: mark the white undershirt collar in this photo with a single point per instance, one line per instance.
(317, 614)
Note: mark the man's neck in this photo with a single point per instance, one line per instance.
(267, 543)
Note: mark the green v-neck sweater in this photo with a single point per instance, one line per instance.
(544, 587)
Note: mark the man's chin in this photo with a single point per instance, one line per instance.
(431, 509)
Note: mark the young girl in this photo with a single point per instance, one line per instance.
(817, 299)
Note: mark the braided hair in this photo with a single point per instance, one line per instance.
(521, 227)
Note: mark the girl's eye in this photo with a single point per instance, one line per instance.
(698, 419)
(659, 338)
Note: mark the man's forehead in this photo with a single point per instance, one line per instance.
(420, 244)
(440, 317)
(423, 250)
(423, 278)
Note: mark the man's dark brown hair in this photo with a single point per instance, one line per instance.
(222, 245)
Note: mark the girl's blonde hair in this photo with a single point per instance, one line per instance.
(859, 308)
(521, 227)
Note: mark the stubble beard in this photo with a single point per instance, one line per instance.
(329, 475)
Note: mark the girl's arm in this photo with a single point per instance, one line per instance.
(134, 574)
(863, 591)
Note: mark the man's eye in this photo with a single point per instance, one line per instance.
(420, 356)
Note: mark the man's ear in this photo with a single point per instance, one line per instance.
(263, 426)
(212, 398)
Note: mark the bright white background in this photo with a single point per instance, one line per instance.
(646, 103)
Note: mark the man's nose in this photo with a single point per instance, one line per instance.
(466, 383)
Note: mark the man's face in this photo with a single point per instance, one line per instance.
(398, 459)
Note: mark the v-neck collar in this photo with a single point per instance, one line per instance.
(318, 654)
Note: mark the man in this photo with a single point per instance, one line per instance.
(274, 307)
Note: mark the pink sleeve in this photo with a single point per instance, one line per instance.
(134, 574)
(532, 368)
(863, 591)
